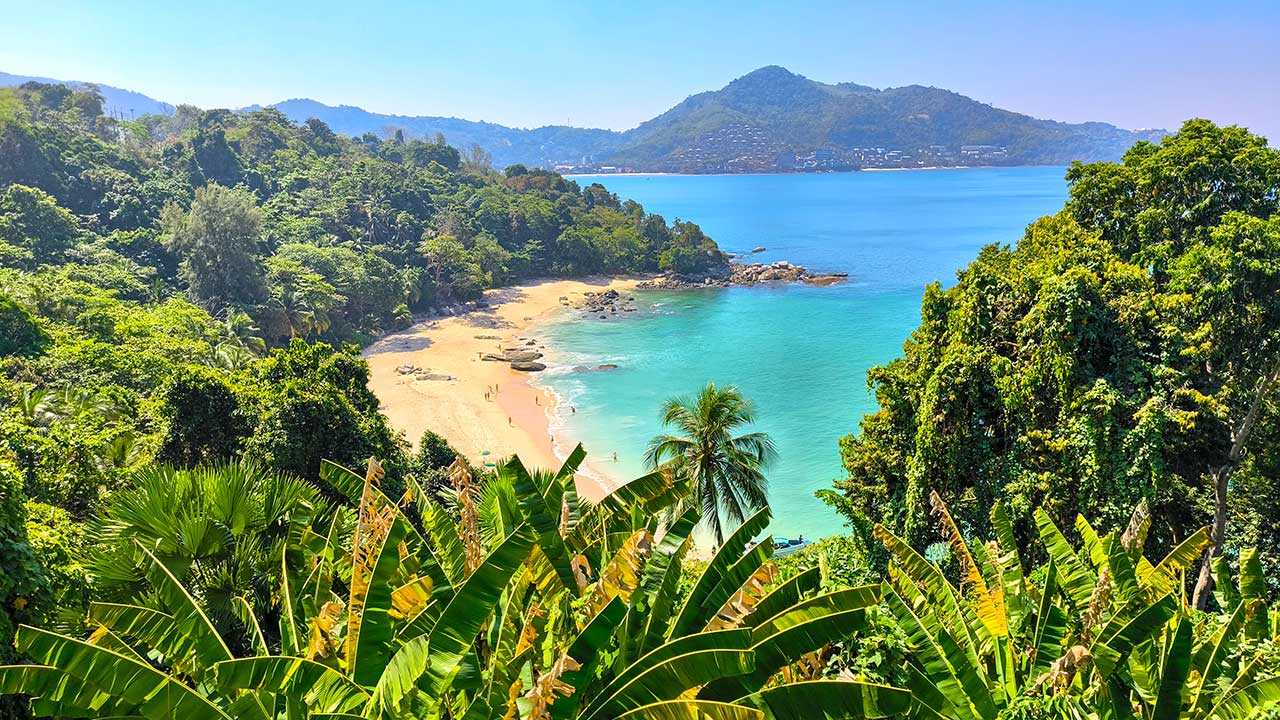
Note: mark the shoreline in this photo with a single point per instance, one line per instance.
(466, 400)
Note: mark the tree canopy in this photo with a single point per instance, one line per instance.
(1125, 349)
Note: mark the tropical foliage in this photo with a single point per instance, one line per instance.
(1125, 350)
(1097, 632)
(528, 603)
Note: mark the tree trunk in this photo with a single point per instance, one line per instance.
(1221, 477)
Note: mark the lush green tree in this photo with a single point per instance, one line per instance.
(204, 422)
(1120, 352)
(32, 221)
(725, 471)
(20, 333)
(219, 242)
(312, 402)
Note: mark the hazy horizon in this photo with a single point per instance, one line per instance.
(1142, 66)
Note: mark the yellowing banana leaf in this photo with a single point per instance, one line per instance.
(730, 552)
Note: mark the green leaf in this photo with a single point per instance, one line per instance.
(829, 699)
(194, 634)
(785, 596)
(1120, 639)
(321, 688)
(692, 710)
(1174, 670)
(1051, 624)
(452, 636)
(669, 679)
(1210, 661)
(544, 520)
(696, 605)
(154, 694)
(738, 639)
(1076, 579)
(370, 634)
(652, 602)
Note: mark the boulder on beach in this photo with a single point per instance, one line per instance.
(523, 355)
(528, 366)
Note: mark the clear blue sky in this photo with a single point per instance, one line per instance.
(614, 64)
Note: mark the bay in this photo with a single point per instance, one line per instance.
(799, 353)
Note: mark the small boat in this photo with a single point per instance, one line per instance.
(783, 546)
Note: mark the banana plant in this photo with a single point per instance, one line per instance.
(519, 601)
(1104, 633)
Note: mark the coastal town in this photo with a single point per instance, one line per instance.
(743, 148)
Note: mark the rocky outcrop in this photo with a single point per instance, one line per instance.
(513, 355)
(606, 303)
(528, 366)
(748, 274)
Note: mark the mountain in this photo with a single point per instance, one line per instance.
(773, 119)
(116, 101)
(540, 147)
(770, 120)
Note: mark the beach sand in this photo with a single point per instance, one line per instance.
(514, 420)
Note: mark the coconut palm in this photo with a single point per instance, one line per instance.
(725, 472)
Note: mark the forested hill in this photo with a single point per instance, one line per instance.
(773, 119)
(194, 287)
(540, 147)
(118, 102)
(770, 120)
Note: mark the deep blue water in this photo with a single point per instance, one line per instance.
(799, 353)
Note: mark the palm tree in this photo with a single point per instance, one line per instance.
(725, 472)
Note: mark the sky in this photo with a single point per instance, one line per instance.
(616, 64)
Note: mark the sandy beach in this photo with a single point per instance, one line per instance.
(483, 406)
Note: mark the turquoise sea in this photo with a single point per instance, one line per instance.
(799, 353)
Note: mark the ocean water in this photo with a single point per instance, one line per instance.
(799, 353)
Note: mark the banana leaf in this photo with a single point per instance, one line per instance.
(1243, 702)
(829, 699)
(725, 558)
(1077, 581)
(651, 603)
(1118, 638)
(669, 679)
(370, 628)
(193, 634)
(152, 693)
(544, 519)
(1210, 661)
(937, 665)
(692, 710)
(451, 637)
(786, 596)
(1174, 671)
(320, 687)
(690, 644)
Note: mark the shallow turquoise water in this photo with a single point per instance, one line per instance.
(799, 353)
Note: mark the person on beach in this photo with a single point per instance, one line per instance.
(615, 457)
(509, 424)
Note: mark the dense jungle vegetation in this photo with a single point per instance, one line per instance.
(204, 515)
